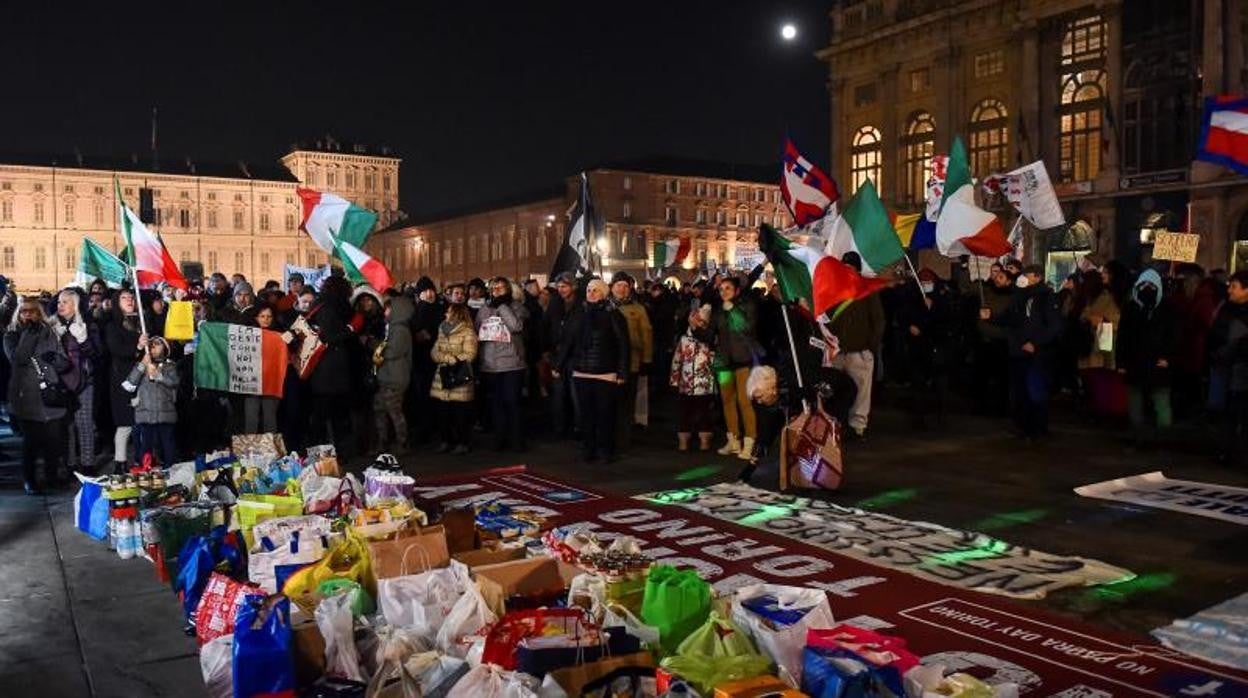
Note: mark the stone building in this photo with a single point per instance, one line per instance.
(231, 218)
(1108, 93)
(717, 206)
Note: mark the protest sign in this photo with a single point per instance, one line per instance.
(1176, 247)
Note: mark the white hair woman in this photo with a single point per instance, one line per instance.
(596, 354)
(80, 340)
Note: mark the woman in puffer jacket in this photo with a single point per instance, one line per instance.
(500, 329)
(454, 351)
(596, 353)
(30, 340)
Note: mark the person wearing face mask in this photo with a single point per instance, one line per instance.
(555, 321)
(734, 325)
(1032, 324)
(991, 351)
(926, 324)
(1100, 316)
(1147, 343)
(476, 297)
(35, 354)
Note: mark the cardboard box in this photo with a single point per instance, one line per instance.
(529, 576)
(757, 687)
(488, 556)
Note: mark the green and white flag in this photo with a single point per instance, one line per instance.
(95, 262)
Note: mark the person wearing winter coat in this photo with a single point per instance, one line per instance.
(1033, 325)
(330, 382)
(81, 343)
(596, 354)
(1147, 342)
(641, 352)
(260, 411)
(36, 357)
(1228, 358)
(452, 390)
(428, 312)
(992, 355)
(925, 323)
(1101, 317)
(860, 329)
(392, 359)
(693, 377)
(154, 382)
(563, 306)
(126, 342)
(737, 349)
(500, 329)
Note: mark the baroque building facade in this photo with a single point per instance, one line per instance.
(1108, 93)
(239, 218)
(717, 207)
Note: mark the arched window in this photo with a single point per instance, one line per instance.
(1158, 111)
(990, 136)
(1084, 57)
(866, 157)
(918, 145)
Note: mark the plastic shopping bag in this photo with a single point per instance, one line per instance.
(931, 682)
(337, 626)
(718, 651)
(386, 488)
(676, 602)
(264, 663)
(810, 451)
(470, 616)
(422, 601)
(777, 618)
(89, 498)
(264, 560)
(884, 659)
(347, 559)
(489, 681)
(199, 557)
(218, 606)
(512, 631)
(216, 664)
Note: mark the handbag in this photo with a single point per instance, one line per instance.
(54, 393)
(455, 375)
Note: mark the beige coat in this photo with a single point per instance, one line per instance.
(640, 335)
(460, 344)
(1105, 308)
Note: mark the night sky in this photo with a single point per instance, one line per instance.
(480, 104)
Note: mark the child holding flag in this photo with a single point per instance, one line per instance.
(155, 382)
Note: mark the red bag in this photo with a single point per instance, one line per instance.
(214, 616)
(504, 637)
(810, 452)
(880, 650)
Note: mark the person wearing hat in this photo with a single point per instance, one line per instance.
(427, 316)
(641, 352)
(1147, 344)
(1033, 324)
(563, 305)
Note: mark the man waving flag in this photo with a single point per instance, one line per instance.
(807, 191)
(152, 261)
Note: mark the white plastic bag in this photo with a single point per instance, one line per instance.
(281, 529)
(783, 645)
(619, 616)
(435, 672)
(216, 664)
(469, 616)
(298, 550)
(337, 626)
(394, 646)
(422, 601)
(490, 681)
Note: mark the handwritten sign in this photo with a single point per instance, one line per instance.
(1176, 247)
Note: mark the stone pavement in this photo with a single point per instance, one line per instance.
(78, 621)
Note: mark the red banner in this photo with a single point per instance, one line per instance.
(980, 634)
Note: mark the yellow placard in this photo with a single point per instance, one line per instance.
(180, 321)
(1176, 247)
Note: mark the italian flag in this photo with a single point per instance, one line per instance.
(363, 269)
(152, 261)
(240, 359)
(805, 272)
(329, 217)
(96, 262)
(864, 227)
(962, 227)
(669, 252)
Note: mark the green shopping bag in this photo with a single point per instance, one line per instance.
(676, 602)
(716, 653)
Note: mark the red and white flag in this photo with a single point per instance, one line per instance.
(363, 269)
(807, 191)
(1224, 133)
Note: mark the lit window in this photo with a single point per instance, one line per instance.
(673, 186)
(670, 215)
(918, 145)
(700, 216)
(41, 258)
(628, 183)
(626, 210)
(38, 211)
(1083, 105)
(866, 158)
(989, 136)
(989, 63)
(700, 189)
(71, 257)
(69, 213)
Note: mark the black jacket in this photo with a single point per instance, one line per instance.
(1146, 335)
(425, 332)
(121, 336)
(333, 374)
(1032, 317)
(555, 321)
(595, 341)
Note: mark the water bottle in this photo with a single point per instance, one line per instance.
(125, 539)
(112, 525)
(137, 530)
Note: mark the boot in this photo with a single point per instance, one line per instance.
(733, 446)
(704, 440)
(747, 449)
(683, 439)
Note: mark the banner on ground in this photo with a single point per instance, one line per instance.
(240, 359)
(312, 276)
(1156, 490)
(986, 636)
(1218, 634)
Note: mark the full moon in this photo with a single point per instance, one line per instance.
(788, 32)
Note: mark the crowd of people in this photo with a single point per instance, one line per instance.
(443, 369)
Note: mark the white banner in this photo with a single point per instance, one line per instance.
(1030, 191)
(312, 276)
(244, 358)
(1154, 489)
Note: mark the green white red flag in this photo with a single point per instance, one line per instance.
(240, 359)
(96, 262)
(864, 227)
(963, 227)
(670, 252)
(152, 261)
(363, 269)
(806, 272)
(329, 217)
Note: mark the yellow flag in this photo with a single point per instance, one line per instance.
(904, 225)
(180, 321)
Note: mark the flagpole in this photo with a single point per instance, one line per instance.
(797, 366)
(138, 301)
(915, 273)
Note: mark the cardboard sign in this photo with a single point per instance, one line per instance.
(1176, 247)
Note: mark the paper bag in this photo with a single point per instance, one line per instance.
(415, 551)
(180, 321)
(535, 577)
(574, 679)
(810, 452)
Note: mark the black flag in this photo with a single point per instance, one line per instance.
(583, 228)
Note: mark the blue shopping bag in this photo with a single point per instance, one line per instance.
(264, 660)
